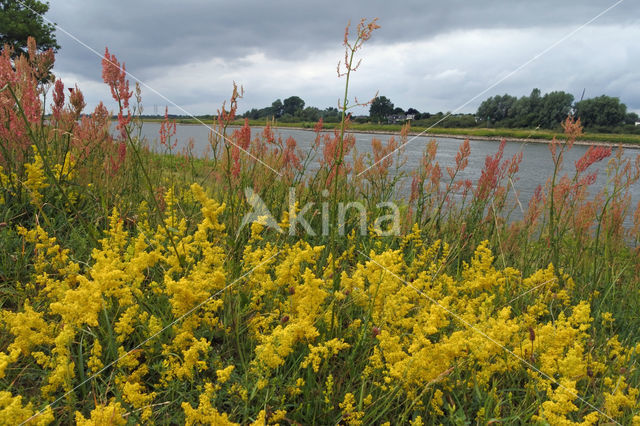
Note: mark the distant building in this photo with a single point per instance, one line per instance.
(637, 123)
(399, 118)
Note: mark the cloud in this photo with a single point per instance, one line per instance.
(428, 55)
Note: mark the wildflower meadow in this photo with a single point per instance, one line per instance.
(132, 290)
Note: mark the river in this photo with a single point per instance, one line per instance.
(535, 168)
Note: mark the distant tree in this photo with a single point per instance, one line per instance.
(496, 109)
(526, 111)
(277, 108)
(293, 105)
(21, 19)
(328, 111)
(398, 111)
(252, 114)
(380, 108)
(631, 118)
(554, 109)
(310, 114)
(413, 111)
(331, 114)
(266, 112)
(535, 110)
(602, 111)
(535, 105)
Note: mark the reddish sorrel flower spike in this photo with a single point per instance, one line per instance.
(593, 155)
(41, 62)
(489, 176)
(92, 131)
(114, 75)
(289, 157)
(242, 140)
(572, 129)
(58, 99)
(167, 130)
(17, 77)
(76, 99)
(462, 159)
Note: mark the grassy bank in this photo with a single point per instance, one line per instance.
(132, 290)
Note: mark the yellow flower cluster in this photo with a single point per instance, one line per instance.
(323, 351)
(110, 414)
(35, 179)
(224, 374)
(157, 314)
(349, 412)
(107, 302)
(4, 185)
(205, 413)
(13, 412)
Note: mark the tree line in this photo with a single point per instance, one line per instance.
(544, 111)
(381, 110)
(293, 109)
(549, 110)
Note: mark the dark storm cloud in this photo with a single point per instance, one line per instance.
(156, 38)
(151, 34)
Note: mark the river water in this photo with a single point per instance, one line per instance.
(535, 168)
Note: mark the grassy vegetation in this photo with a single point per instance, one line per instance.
(131, 292)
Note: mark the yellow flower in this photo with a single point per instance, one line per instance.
(135, 394)
(36, 179)
(13, 412)
(29, 328)
(4, 185)
(328, 392)
(64, 370)
(95, 363)
(417, 421)
(277, 416)
(323, 351)
(275, 347)
(607, 318)
(349, 413)
(261, 420)
(616, 401)
(6, 359)
(112, 414)
(224, 374)
(437, 402)
(297, 389)
(560, 404)
(192, 359)
(367, 400)
(205, 413)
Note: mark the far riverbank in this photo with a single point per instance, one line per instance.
(631, 141)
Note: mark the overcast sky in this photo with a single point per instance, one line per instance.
(429, 55)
